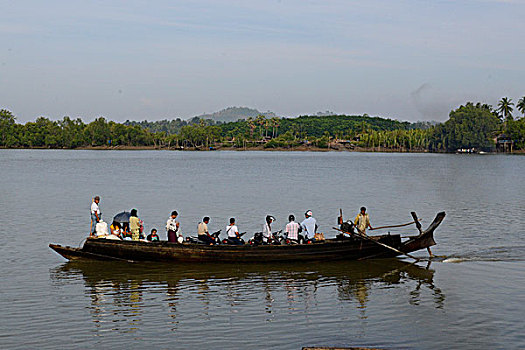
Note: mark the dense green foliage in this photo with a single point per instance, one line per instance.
(472, 126)
(68, 133)
(469, 126)
(169, 126)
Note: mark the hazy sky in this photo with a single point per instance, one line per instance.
(409, 60)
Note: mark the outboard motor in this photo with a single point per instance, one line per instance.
(257, 239)
(234, 241)
(348, 227)
(277, 239)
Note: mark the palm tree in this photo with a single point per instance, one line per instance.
(275, 125)
(267, 124)
(251, 124)
(261, 121)
(505, 108)
(521, 105)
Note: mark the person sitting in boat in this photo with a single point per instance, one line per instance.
(202, 231)
(233, 232)
(126, 234)
(172, 227)
(267, 229)
(362, 221)
(309, 225)
(134, 225)
(115, 229)
(95, 215)
(292, 229)
(153, 237)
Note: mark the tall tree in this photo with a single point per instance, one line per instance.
(275, 125)
(251, 125)
(521, 105)
(505, 108)
(7, 125)
(261, 121)
(470, 126)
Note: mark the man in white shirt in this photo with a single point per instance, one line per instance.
(267, 229)
(309, 225)
(233, 232)
(292, 229)
(95, 215)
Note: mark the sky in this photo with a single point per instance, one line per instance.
(407, 60)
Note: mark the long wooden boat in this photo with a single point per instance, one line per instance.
(348, 248)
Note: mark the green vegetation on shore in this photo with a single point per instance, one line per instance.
(471, 126)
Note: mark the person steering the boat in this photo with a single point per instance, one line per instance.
(362, 221)
(233, 232)
(202, 231)
(267, 229)
(309, 225)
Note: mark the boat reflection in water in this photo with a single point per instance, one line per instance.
(125, 295)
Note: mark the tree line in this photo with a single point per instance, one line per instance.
(470, 126)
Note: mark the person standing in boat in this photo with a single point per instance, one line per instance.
(172, 227)
(202, 231)
(95, 215)
(267, 229)
(292, 229)
(309, 225)
(134, 225)
(233, 232)
(362, 221)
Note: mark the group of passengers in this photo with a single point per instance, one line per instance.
(294, 232)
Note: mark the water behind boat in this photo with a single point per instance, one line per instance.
(471, 297)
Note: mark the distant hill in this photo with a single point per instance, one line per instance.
(232, 114)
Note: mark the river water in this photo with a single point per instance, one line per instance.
(471, 297)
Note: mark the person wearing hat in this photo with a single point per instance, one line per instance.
(362, 221)
(309, 225)
(267, 229)
(95, 215)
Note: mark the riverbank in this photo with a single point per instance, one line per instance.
(302, 148)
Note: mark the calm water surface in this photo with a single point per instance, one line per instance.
(471, 298)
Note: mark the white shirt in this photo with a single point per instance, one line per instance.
(95, 208)
(308, 226)
(202, 228)
(267, 232)
(232, 231)
(171, 224)
(292, 230)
